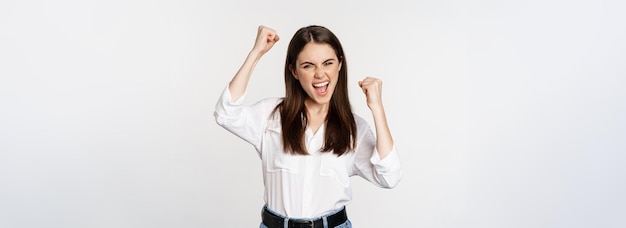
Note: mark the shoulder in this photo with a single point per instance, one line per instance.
(269, 103)
(359, 119)
(364, 135)
(361, 123)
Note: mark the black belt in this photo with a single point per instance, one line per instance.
(272, 220)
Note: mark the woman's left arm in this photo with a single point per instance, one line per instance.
(372, 87)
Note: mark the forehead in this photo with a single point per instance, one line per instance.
(316, 52)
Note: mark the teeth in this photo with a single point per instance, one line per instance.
(320, 84)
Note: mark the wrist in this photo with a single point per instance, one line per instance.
(255, 55)
(377, 109)
(255, 52)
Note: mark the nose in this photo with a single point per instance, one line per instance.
(319, 72)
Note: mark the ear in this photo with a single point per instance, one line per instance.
(293, 72)
(340, 62)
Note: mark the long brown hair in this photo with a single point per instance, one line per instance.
(340, 134)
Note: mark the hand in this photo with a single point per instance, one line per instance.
(265, 39)
(372, 87)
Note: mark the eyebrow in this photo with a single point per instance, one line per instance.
(331, 59)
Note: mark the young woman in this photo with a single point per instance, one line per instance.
(310, 142)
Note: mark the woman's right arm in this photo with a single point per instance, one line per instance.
(230, 113)
(265, 40)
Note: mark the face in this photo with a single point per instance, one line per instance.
(317, 69)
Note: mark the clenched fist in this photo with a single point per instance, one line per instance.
(265, 39)
(372, 87)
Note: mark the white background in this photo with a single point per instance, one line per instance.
(505, 113)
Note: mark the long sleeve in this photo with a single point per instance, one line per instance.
(385, 173)
(246, 122)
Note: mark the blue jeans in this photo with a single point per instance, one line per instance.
(346, 224)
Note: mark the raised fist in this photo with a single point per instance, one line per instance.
(265, 39)
(372, 88)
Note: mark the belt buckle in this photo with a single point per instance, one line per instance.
(306, 223)
(310, 223)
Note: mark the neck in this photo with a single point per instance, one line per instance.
(316, 115)
(315, 109)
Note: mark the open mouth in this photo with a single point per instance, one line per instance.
(321, 88)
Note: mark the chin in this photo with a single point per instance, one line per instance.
(318, 100)
(323, 101)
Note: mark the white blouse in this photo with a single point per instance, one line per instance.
(305, 186)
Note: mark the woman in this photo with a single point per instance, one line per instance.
(310, 142)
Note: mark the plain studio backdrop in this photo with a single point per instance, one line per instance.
(505, 113)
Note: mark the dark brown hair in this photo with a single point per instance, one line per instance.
(340, 134)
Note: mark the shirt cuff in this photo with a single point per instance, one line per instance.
(389, 164)
(225, 108)
(226, 97)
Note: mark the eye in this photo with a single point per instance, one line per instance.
(306, 66)
(328, 63)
